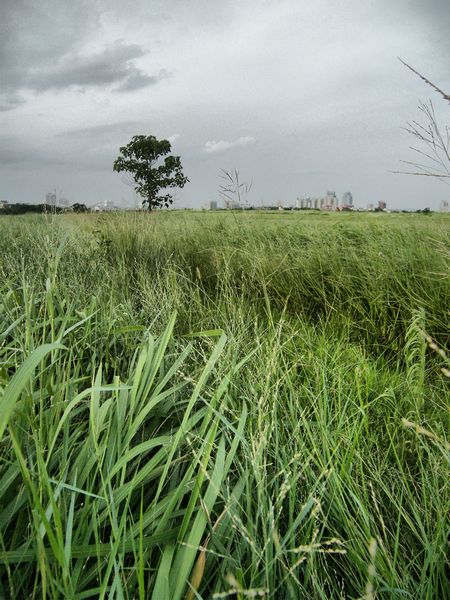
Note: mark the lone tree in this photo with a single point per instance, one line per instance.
(141, 158)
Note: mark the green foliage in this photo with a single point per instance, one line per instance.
(19, 208)
(79, 208)
(140, 157)
(284, 436)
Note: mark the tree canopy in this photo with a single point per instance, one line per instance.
(143, 159)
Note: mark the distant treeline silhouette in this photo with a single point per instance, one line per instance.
(20, 208)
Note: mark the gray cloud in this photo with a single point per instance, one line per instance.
(113, 65)
(34, 35)
(101, 131)
(317, 83)
(435, 16)
(213, 147)
(90, 147)
(9, 101)
(137, 79)
(12, 152)
(16, 151)
(41, 48)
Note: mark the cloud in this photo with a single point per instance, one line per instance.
(308, 79)
(10, 101)
(33, 37)
(213, 147)
(101, 131)
(138, 79)
(22, 151)
(43, 47)
(114, 65)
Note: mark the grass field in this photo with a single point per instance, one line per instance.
(224, 405)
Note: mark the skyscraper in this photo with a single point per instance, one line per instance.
(347, 199)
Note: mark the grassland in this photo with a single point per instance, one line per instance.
(199, 405)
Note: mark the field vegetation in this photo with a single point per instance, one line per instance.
(224, 405)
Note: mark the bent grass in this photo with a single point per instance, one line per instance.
(283, 436)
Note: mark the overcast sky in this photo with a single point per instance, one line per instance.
(300, 96)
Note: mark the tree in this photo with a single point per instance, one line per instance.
(79, 208)
(141, 158)
(432, 139)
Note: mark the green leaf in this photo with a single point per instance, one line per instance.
(20, 379)
(88, 550)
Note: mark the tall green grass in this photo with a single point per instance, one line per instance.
(237, 405)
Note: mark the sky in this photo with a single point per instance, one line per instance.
(300, 97)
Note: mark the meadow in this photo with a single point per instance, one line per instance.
(224, 405)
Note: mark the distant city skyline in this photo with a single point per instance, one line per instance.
(298, 96)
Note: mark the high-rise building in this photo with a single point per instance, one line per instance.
(304, 203)
(381, 205)
(331, 196)
(213, 205)
(347, 199)
(329, 202)
(444, 206)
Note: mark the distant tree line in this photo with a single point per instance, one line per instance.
(20, 208)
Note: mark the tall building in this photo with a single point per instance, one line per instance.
(444, 206)
(213, 205)
(329, 202)
(347, 199)
(381, 205)
(306, 202)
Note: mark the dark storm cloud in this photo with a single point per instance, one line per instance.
(112, 66)
(40, 49)
(35, 35)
